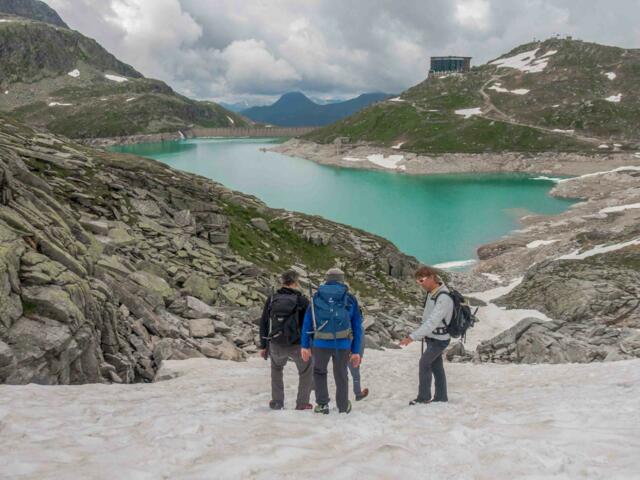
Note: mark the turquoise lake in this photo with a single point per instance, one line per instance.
(438, 219)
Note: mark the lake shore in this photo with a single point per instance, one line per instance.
(395, 160)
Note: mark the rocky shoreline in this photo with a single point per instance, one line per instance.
(395, 160)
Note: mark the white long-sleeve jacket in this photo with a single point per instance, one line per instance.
(435, 312)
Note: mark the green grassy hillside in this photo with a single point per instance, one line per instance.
(558, 96)
(58, 79)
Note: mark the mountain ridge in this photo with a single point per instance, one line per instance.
(295, 109)
(58, 79)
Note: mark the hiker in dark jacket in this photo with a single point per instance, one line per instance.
(280, 328)
(332, 329)
(438, 311)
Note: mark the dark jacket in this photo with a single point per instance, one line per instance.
(303, 303)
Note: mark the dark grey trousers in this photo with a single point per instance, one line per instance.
(432, 365)
(280, 354)
(321, 357)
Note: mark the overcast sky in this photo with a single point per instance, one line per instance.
(250, 49)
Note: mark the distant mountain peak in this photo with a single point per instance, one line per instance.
(294, 109)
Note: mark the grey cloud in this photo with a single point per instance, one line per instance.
(225, 49)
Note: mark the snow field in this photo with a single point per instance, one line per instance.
(526, 61)
(468, 112)
(390, 162)
(502, 421)
(115, 78)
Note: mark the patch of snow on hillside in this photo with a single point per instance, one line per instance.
(557, 130)
(611, 75)
(130, 99)
(614, 98)
(398, 146)
(555, 106)
(352, 159)
(619, 169)
(6, 20)
(456, 264)
(58, 104)
(620, 208)
(540, 243)
(525, 61)
(517, 91)
(598, 250)
(547, 179)
(389, 162)
(74, 73)
(396, 99)
(231, 120)
(469, 112)
(115, 78)
(6, 92)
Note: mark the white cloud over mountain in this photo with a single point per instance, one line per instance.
(225, 49)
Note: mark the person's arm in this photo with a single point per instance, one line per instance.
(307, 328)
(264, 324)
(441, 310)
(358, 333)
(305, 336)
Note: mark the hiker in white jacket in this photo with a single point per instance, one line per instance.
(438, 311)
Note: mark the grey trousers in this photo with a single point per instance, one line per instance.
(280, 354)
(321, 357)
(432, 365)
(355, 375)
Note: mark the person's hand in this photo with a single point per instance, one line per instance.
(405, 341)
(263, 353)
(305, 353)
(355, 360)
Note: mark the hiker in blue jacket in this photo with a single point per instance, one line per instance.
(332, 329)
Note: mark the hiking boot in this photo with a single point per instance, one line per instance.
(275, 405)
(440, 399)
(304, 406)
(348, 410)
(321, 409)
(418, 401)
(362, 394)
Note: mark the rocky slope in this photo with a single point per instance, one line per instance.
(111, 263)
(556, 95)
(57, 78)
(581, 269)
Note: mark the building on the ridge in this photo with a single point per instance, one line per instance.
(450, 64)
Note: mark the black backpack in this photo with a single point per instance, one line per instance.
(283, 319)
(463, 318)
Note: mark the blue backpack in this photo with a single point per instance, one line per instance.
(331, 304)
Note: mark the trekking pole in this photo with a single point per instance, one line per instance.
(313, 310)
(422, 346)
